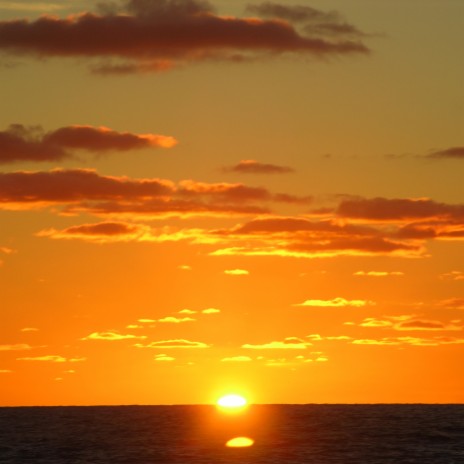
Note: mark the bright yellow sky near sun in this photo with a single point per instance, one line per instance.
(280, 217)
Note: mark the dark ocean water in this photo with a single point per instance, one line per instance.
(283, 434)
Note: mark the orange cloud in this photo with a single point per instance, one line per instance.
(111, 336)
(85, 191)
(336, 303)
(103, 232)
(15, 347)
(289, 343)
(378, 273)
(176, 320)
(412, 341)
(159, 35)
(163, 358)
(453, 152)
(21, 143)
(170, 344)
(236, 272)
(237, 359)
(255, 167)
(453, 275)
(51, 358)
(383, 209)
(408, 322)
(210, 311)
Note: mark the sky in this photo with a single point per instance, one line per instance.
(206, 198)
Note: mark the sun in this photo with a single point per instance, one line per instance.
(232, 402)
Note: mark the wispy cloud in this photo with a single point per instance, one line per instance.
(15, 347)
(176, 343)
(289, 343)
(210, 311)
(408, 322)
(53, 359)
(22, 143)
(238, 359)
(112, 336)
(255, 167)
(336, 303)
(411, 341)
(378, 273)
(236, 272)
(450, 153)
(163, 358)
(85, 191)
(29, 329)
(175, 320)
(167, 33)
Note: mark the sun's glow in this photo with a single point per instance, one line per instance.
(240, 442)
(232, 401)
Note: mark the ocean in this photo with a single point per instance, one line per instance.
(282, 434)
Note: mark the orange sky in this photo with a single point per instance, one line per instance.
(262, 199)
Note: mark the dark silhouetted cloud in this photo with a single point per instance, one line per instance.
(21, 143)
(157, 35)
(255, 167)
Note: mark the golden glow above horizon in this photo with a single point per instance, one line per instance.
(240, 442)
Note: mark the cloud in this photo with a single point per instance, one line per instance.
(103, 232)
(378, 273)
(453, 275)
(167, 33)
(336, 303)
(411, 341)
(210, 311)
(236, 272)
(187, 311)
(316, 22)
(300, 237)
(176, 343)
(255, 167)
(111, 336)
(175, 320)
(289, 343)
(52, 358)
(5, 371)
(452, 303)
(453, 152)
(30, 6)
(22, 143)
(15, 347)
(403, 209)
(85, 191)
(163, 358)
(407, 322)
(237, 359)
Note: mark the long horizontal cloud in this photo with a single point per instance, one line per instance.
(84, 190)
(153, 36)
(304, 238)
(255, 167)
(411, 341)
(111, 336)
(403, 209)
(21, 143)
(453, 152)
(289, 343)
(335, 303)
(171, 344)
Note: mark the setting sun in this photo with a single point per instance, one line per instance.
(232, 402)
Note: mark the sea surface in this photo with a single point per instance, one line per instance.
(282, 434)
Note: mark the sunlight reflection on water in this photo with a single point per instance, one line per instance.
(240, 442)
